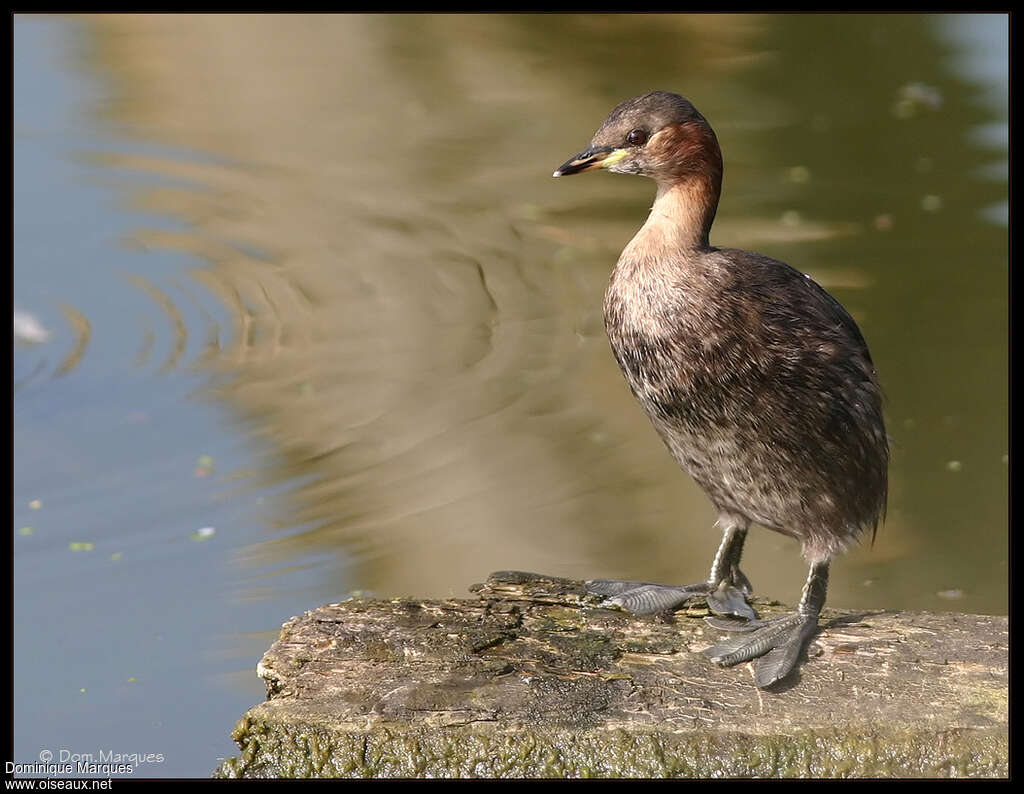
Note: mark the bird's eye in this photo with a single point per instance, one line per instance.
(637, 138)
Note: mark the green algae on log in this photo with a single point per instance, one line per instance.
(534, 679)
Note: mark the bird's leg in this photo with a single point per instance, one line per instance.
(725, 589)
(779, 641)
(729, 586)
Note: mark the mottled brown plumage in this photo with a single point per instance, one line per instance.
(757, 380)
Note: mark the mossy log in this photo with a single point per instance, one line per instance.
(534, 679)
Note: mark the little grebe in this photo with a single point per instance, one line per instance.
(757, 380)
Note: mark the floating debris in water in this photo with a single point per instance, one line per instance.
(954, 465)
(931, 203)
(951, 595)
(204, 533)
(204, 465)
(115, 556)
(28, 330)
(35, 504)
(791, 218)
(799, 174)
(914, 97)
(81, 545)
(26, 531)
(883, 223)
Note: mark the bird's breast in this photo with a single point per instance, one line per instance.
(680, 344)
(652, 338)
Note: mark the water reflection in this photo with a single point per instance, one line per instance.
(414, 307)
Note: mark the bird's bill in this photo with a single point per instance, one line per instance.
(589, 159)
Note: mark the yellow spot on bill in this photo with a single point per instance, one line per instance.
(614, 157)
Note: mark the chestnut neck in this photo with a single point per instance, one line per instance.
(683, 212)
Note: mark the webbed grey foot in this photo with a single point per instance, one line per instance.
(725, 590)
(730, 598)
(647, 598)
(778, 642)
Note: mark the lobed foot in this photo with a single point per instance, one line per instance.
(647, 598)
(779, 642)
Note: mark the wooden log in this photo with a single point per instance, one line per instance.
(534, 679)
